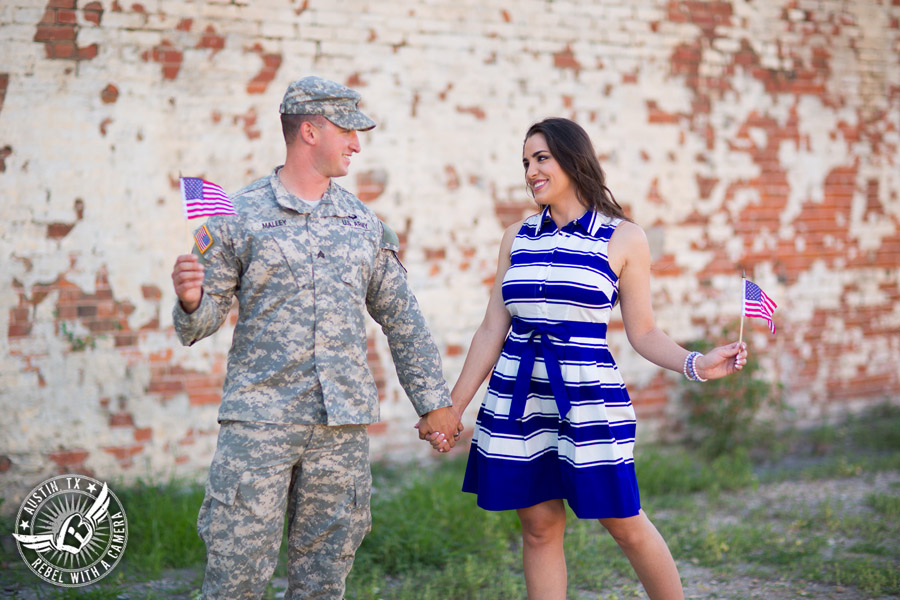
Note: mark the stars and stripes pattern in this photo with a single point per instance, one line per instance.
(204, 199)
(758, 304)
(203, 239)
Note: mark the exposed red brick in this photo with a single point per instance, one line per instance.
(104, 125)
(109, 94)
(5, 463)
(650, 399)
(56, 231)
(125, 454)
(210, 39)
(66, 16)
(184, 25)
(143, 434)
(271, 63)
(510, 212)
(151, 292)
(167, 55)
(506, 16)
(657, 116)
(121, 420)
(249, 120)
(93, 12)
(565, 59)
(435, 253)
(302, 8)
(355, 80)
(476, 111)
(125, 338)
(54, 32)
(87, 52)
(705, 14)
(58, 30)
(370, 184)
(69, 460)
(706, 185)
(453, 350)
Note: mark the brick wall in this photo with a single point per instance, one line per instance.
(759, 135)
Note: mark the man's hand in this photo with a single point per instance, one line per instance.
(187, 277)
(441, 427)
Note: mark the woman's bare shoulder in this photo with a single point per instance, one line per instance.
(629, 236)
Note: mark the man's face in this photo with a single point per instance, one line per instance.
(335, 147)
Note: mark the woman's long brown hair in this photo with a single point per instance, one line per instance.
(571, 146)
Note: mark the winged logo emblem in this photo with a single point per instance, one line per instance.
(76, 531)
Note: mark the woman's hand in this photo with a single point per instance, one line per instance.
(722, 361)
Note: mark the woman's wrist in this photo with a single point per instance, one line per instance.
(691, 369)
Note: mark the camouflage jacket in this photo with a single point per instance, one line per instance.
(304, 275)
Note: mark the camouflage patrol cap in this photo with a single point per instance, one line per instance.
(317, 96)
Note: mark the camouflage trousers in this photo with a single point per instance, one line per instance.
(319, 474)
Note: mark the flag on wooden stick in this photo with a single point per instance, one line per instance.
(204, 199)
(757, 304)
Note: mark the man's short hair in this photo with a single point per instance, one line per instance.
(290, 125)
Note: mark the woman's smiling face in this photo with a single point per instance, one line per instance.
(543, 174)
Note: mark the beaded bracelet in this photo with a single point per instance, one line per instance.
(690, 367)
(694, 368)
(687, 361)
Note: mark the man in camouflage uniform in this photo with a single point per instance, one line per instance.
(305, 258)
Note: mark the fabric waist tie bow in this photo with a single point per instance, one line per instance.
(533, 331)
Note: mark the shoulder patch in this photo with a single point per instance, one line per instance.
(389, 239)
(203, 241)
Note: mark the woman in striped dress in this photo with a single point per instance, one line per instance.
(557, 423)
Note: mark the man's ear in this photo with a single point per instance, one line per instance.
(309, 132)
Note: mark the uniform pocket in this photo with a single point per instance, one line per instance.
(217, 520)
(332, 512)
(350, 274)
(360, 513)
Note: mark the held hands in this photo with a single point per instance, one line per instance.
(722, 361)
(187, 277)
(441, 428)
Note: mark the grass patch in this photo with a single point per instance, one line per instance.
(678, 471)
(162, 526)
(429, 540)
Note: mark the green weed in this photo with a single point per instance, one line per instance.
(162, 526)
(721, 415)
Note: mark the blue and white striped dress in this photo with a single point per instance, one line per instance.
(560, 292)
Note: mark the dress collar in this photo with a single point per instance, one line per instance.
(587, 222)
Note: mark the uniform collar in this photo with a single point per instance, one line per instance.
(332, 204)
(589, 222)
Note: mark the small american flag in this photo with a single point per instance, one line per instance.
(203, 238)
(757, 304)
(204, 199)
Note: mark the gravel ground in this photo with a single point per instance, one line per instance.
(750, 582)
